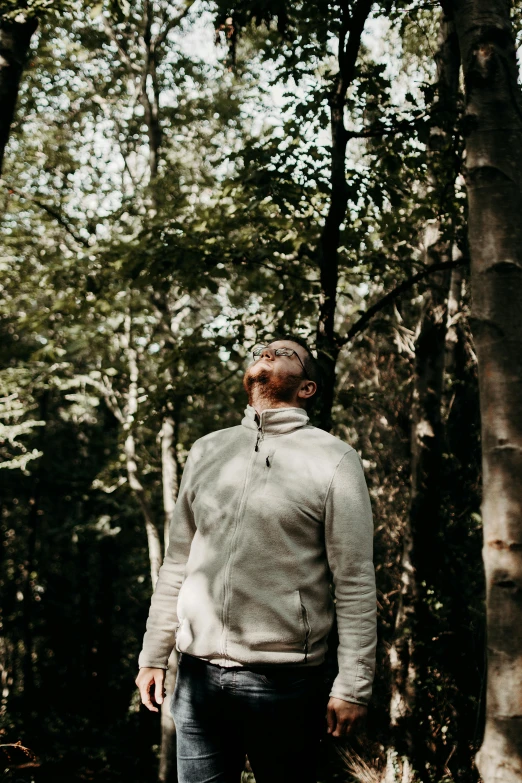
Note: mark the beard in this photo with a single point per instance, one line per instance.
(261, 383)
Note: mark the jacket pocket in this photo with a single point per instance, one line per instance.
(269, 622)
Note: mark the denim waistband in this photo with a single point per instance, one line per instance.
(290, 668)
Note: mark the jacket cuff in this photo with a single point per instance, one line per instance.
(151, 663)
(340, 691)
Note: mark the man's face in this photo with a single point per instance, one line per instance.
(276, 378)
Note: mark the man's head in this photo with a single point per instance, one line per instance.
(283, 374)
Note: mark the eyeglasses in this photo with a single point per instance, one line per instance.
(259, 350)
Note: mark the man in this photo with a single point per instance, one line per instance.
(269, 514)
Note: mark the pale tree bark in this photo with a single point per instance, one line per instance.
(420, 536)
(131, 409)
(494, 181)
(124, 408)
(15, 39)
(169, 471)
(170, 482)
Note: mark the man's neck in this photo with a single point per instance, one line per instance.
(261, 404)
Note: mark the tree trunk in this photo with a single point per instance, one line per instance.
(421, 536)
(15, 39)
(422, 530)
(169, 472)
(493, 131)
(328, 347)
(30, 566)
(153, 538)
(168, 767)
(150, 94)
(170, 479)
(452, 331)
(402, 672)
(427, 435)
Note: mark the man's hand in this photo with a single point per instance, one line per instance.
(146, 678)
(343, 717)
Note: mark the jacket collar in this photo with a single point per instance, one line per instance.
(275, 421)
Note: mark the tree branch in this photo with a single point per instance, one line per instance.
(52, 211)
(161, 36)
(361, 323)
(107, 392)
(380, 129)
(121, 51)
(348, 54)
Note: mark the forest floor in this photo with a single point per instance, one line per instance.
(71, 769)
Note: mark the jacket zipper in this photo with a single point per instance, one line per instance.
(237, 521)
(260, 436)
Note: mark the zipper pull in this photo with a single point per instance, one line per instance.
(259, 438)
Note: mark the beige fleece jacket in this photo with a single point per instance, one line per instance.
(268, 514)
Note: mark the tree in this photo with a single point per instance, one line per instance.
(164, 212)
(493, 133)
(15, 39)
(353, 17)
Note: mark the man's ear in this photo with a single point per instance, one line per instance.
(307, 390)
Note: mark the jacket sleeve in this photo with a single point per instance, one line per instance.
(162, 622)
(349, 549)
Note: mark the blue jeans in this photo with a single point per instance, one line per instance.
(274, 715)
